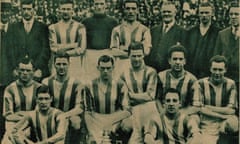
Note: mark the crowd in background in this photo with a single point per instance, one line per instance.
(47, 11)
(143, 59)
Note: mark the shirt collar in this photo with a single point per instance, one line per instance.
(22, 85)
(135, 23)
(30, 21)
(5, 26)
(169, 24)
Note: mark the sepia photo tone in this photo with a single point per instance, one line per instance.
(119, 71)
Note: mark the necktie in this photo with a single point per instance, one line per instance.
(165, 29)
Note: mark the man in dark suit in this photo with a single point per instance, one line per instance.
(200, 41)
(163, 37)
(227, 43)
(4, 73)
(29, 37)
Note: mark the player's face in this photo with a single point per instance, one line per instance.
(61, 65)
(25, 72)
(177, 61)
(172, 103)
(168, 13)
(234, 16)
(27, 11)
(136, 57)
(205, 14)
(131, 11)
(5, 14)
(44, 101)
(66, 11)
(99, 6)
(217, 70)
(105, 69)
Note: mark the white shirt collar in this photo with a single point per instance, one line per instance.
(5, 26)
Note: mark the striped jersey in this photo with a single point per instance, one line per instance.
(168, 131)
(184, 85)
(61, 35)
(105, 100)
(124, 34)
(222, 95)
(43, 127)
(145, 82)
(19, 98)
(66, 95)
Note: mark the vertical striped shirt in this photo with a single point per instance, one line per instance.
(66, 95)
(124, 34)
(44, 127)
(146, 83)
(108, 100)
(19, 98)
(168, 131)
(184, 85)
(222, 95)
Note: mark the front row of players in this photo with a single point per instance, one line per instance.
(172, 106)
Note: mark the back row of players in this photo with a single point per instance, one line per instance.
(213, 97)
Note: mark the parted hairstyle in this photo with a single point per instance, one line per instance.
(135, 46)
(171, 90)
(218, 59)
(26, 60)
(177, 48)
(105, 59)
(27, 2)
(43, 89)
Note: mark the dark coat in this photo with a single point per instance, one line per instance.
(35, 44)
(228, 46)
(161, 43)
(5, 74)
(200, 49)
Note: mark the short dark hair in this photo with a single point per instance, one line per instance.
(218, 59)
(105, 59)
(42, 89)
(135, 46)
(66, 2)
(28, 2)
(26, 60)
(177, 48)
(206, 4)
(234, 4)
(60, 56)
(130, 1)
(171, 90)
(167, 3)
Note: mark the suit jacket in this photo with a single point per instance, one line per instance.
(200, 49)
(35, 44)
(228, 46)
(5, 73)
(161, 43)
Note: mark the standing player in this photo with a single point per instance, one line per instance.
(66, 92)
(68, 37)
(20, 95)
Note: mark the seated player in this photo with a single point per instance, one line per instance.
(44, 123)
(105, 95)
(216, 98)
(172, 126)
(19, 96)
(177, 77)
